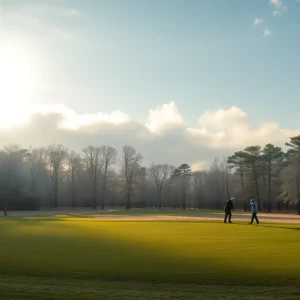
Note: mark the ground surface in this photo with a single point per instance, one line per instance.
(164, 214)
(90, 256)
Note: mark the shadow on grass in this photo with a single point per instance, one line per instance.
(281, 227)
(120, 252)
(269, 226)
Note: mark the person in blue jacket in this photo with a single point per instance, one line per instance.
(254, 209)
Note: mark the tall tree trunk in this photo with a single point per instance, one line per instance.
(5, 204)
(128, 200)
(242, 178)
(256, 187)
(103, 199)
(184, 200)
(55, 204)
(32, 188)
(5, 209)
(159, 199)
(242, 185)
(94, 200)
(103, 194)
(227, 189)
(298, 189)
(73, 192)
(269, 189)
(55, 195)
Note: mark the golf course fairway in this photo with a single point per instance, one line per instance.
(70, 257)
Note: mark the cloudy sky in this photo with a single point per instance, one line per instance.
(181, 81)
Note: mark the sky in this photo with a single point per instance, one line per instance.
(181, 81)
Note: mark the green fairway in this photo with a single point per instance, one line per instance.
(85, 258)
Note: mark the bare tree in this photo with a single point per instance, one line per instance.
(169, 188)
(129, 172)
(159, 174)
(36, 160)
(141, 187)
(74, 165)
(55, 165)
(218, 182)
(13, 155)
(225, 171)
(199, 187)
(109, 158)
(94, 160)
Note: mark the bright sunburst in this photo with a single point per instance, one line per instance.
(18, 78)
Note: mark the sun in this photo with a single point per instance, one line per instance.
(18, 78)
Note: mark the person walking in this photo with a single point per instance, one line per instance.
(254, 209)
(228, 207)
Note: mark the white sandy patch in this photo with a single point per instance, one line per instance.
(269, 218)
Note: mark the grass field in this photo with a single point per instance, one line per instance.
(63, 257)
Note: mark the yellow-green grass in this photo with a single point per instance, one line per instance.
(63, 257)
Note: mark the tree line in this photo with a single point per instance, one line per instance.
(97, 177)
(269, 174)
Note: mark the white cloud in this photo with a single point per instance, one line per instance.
(163, 117)
(280, 7)
(164, 139)
(69, 119)
(257, 21)
(276, 3)
(267, 32)
(231, 129)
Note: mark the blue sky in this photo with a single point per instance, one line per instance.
(202, 54)
(133, 55)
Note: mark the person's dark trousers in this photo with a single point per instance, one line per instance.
(254, 216)
(227, 215)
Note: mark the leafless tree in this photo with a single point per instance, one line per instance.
(13, 156)
(159, 174)
(198, 187)
(217, 180)
(56, 167)
(36, 160)
(225, 173)
(94, 160)
(74, 166)
(109, 158)
(129, 172)
(141, 186)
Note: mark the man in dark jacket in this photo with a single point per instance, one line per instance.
(228, 207)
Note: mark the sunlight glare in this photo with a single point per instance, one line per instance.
(18, 78)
